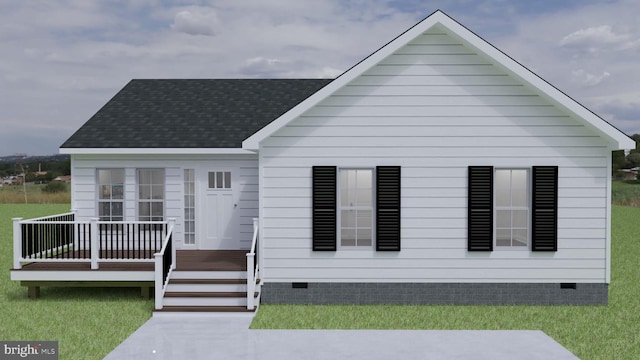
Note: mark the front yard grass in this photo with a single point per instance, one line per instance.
(590, 332)
(88, 322)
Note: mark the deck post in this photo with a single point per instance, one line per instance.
(251, 283)
(95, 250)
(172, 224)
(17, 243)
(158, 281)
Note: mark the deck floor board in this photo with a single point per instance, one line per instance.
(187, 260)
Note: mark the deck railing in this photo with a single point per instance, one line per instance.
(63, 238)
(253, 267)
(164, 265)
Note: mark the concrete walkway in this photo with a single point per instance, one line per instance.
(198, 336)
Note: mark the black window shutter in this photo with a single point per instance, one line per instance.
(388, 208)
(544, 212)
(480, 209)
(324, 208)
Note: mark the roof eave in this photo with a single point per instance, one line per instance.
(155, 151)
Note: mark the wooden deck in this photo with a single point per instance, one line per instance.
(122, 274)
(187, 260)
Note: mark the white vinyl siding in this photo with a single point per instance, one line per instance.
(434, 113)
(85, 184)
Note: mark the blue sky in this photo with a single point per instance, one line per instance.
(64, 59)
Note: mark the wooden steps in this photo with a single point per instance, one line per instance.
(220, 290)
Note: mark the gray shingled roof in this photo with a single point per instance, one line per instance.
(190, 113)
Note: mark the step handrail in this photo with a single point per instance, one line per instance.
(165, 263)
(253, 267)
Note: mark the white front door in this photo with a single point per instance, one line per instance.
(217, 220)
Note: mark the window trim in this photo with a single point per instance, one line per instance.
(99, 201)
(371, 208)
(496, 208)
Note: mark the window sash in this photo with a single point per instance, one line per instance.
(512, 208)
(151, 189)
(110, 193)
(355, 219)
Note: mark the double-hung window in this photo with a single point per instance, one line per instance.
(110, 194)
(356, 207)
(150, 194)
(511, 207)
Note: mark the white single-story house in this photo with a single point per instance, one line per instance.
(436, 170)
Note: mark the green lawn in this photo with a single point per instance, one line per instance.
(590, 332)
(87, 322)
(626, 193)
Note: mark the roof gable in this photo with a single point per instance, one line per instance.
(188, 113)
(440, 22)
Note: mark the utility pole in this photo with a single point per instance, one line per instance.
(24, 178)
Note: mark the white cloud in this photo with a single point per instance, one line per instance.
(195, 23)
(587, 79)
(597, 35)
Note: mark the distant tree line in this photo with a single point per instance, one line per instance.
(53, 167)
(631, 160)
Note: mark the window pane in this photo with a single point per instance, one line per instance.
(520, 219)
(144, 192)
(363, 183)
(156, 209)
(503, 237)
(502, 187)
(104, 176)
(105, 192)
(227, 180)
(348, 237)
(519, 188)
(104, 211)
(116, 209)
(117, 192)
(348, 219)
(212, 180)
(157, 192)
(144, 211)
(503, 219)
(519, 237)
(117, 176)
(364, 237)
(364, 218)
(219, 180)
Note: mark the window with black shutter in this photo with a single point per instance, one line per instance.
(388, 208)
(324, 208)
(544, 220)
(480, 208)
